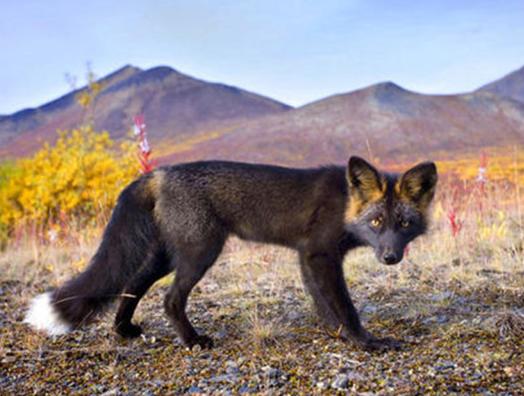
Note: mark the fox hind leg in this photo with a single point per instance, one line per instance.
(192, 262)
(157, 268)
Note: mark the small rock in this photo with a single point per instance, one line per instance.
(446, 365)
(294, 315)
(352, 376)
(194, 389)
(247, 389)
(369, 309)
(232, 370)
(224, 378)
(274, 373)
(110, 392)
(321, 385)
(275, 376)
(442, 296)
(440, 319)
(231, 367)
(231, 363)
(341, 382)
(155, 382)
(202, 384)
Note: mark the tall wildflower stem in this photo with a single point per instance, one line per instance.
(144, 150)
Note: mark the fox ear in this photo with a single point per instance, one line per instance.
(364, 178)
(418, 184)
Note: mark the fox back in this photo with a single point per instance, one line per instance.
(255, 202)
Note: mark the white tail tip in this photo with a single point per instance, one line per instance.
(43, 316)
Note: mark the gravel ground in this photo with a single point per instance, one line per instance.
(268, 341)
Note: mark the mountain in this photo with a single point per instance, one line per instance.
(174, 105)
(190, 119)
(382, 120)
(510, 86)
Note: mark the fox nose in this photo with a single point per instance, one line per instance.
(390, 258)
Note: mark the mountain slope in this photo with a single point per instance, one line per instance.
(510, 86)
(190, 119)
(174, 104)
(59, 113)
(383, 119)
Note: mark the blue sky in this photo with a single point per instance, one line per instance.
(294, 51)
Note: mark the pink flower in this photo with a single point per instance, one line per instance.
(454, 222)
(146, 164)
(144, 146)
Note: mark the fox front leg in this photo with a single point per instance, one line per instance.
(324, 279)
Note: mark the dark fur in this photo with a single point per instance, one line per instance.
(178, 218)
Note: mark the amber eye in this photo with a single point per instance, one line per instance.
(405, 223)
(376, 222)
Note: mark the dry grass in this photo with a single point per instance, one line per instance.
(457, 302)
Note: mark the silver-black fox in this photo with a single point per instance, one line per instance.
(177, 218)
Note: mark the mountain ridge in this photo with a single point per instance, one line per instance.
(172, 101)
(194, 119)
(511, 85)
(383, 119)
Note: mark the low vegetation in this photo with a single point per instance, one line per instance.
(456, 301)
(76, 180)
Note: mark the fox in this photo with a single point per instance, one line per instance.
(177, 219)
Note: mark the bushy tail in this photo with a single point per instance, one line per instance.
(129, 238)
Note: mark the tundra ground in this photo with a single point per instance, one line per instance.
(457, 303)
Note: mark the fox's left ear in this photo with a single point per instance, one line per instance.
(418, 184)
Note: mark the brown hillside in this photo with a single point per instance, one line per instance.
(174, 104)
(190, 119)
(510, 86)
(383, 119)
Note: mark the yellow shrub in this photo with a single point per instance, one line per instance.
(80, 176)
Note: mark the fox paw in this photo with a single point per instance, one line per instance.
(129, 330)
(203, 341)
(381, 344)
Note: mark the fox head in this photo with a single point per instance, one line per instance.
(387, 211)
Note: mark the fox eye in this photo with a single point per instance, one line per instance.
(376, 222)
(405, 223)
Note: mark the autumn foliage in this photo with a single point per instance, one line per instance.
(79, 177)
